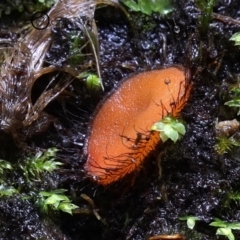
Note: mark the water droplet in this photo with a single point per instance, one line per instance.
(176, 29)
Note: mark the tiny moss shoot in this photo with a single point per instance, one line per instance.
(225, 144)
(7, 191)
(232, 196)
(41, 162)
(223, 228)
(47, 3)
(22, 6)
(55, 200)
(169, 128)
(33, 169)
(4, 165)
(93, 82)
(77, 44)
(206, 7)
(235, 102)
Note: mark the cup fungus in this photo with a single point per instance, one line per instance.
(119, 137)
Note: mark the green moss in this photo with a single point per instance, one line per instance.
(22, 6)
(235, 101)
(225, 228)
(225, 144)
(55, 200)
(42, 162)
(206, 7)
(32, 170)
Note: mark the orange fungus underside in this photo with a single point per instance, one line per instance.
(120, 138)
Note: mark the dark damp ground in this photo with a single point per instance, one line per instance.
(195, 179)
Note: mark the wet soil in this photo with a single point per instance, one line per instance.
(194, 181)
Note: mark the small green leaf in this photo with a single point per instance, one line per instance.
(233, 103)
(158, 126)
(51, 152)
(50, 166)
(55, 200)
(41, 162)
(191, 221)
(6, 165)
(56, 191)
(144, 7)
(171, 133)
(179, 127)
(225, 232)
(148, 6)
(236, 37)
(7, 191)
(234, 226)
(93, 82)
(225, 228)
(218, 223)
(163, 136)
(67, 207)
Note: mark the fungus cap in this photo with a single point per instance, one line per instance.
(120, 137)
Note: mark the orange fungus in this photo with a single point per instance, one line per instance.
(120, 137)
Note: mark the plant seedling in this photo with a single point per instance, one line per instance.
(93, 82)
(225, 228)
(169, 127)
(225, 144)
(235, 102)
(191, 220)
(4, 165)
(55, 200)
(236, 37)
(41, 162)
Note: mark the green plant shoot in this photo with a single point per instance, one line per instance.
(93, 82)
(225, 144)
(4, 165)
(148, 6)
(41, 162)
(7, 191)
(236, 38)
(234, 196)
(169, 127)
(235, 102)
(55, 200)
(47, 3)
(225, 228)
(206, 6)
(191, 221)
